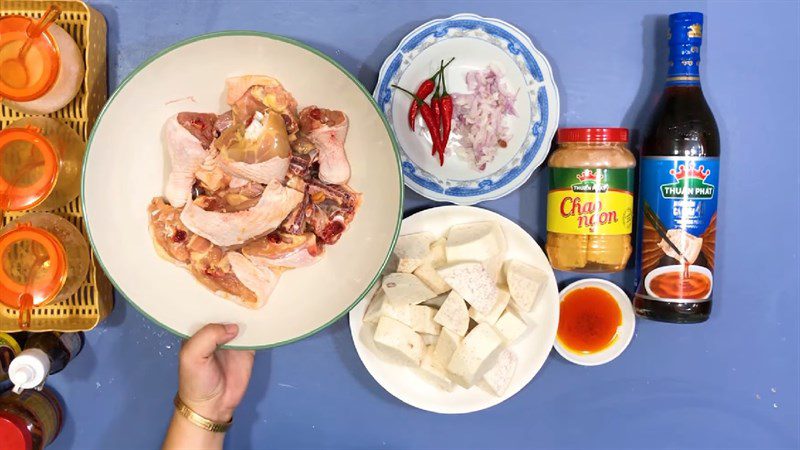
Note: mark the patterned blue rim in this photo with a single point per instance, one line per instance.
(538, 129)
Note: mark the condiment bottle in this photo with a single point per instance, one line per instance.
(40, 164)
(45, 354)
(590, 202)
(10, 346)
(43, 259)
(30, 421)
(679, 189)
(53, 66)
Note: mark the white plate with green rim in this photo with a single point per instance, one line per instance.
(126, 166)
(531, 349)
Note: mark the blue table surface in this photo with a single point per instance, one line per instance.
(730, 382)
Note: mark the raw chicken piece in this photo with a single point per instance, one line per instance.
(258, 152)
(224, 121)
(226, 229)
(284, 250)
(186, 154)
(260, 280)
(300, 165)
(327, 130)
(214, 271)
(295, 222)
(332, 209)
(271, 93)
(201, 125)
(169, 235)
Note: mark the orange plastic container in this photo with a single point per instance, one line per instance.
(41, 65)
(40, 165)
(43, 259)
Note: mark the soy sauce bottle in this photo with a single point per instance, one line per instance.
(679, 189)
(45, 354)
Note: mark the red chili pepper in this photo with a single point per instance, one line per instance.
(436, 106)
(446, 111)
(427, 115)
(423, 91)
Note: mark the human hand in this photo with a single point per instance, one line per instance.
(212, 381)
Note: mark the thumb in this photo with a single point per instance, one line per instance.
(203, 344)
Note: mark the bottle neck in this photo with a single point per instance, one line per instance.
(685, 38)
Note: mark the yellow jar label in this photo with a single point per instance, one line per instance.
(590, 201)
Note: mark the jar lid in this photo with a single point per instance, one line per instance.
(14, 434)
(28, 168)
(38, 70)
(593, 135)
(33, 266)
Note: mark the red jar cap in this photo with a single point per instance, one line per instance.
(593, 135)
(13, 433)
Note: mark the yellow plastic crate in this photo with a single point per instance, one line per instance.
(95, 298)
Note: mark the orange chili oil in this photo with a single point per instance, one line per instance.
(589, 320)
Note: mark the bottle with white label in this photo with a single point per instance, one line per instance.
(45, 354)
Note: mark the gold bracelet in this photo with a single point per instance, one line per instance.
(197, 419)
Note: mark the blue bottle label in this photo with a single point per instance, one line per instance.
(678, 217)
(685, 36)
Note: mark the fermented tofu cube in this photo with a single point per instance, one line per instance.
(405, 288)
(434, 372)
(412, 250)
(475, 356)
(422, 320)
(398, 342)
(476, 241)
(569, 250)
(503, 298)
(431, 278)
(436, 302)
(510, 325)
(526, 284)
(446, 345)
(437, 256)
(471, 281)
(499, 376)
(379, 307)
(609, 249)
(453, 314)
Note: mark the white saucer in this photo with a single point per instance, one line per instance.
(624, 332)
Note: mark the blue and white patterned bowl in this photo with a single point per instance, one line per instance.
(475, 42)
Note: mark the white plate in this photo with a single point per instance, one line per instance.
(624, 331)
(532, 348)
(475, 42)
(126, 166)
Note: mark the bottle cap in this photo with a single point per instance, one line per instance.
(14, 434)
(41, 62)
(28, 168)
(33, 266)
(29, 369)
(592, 135)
